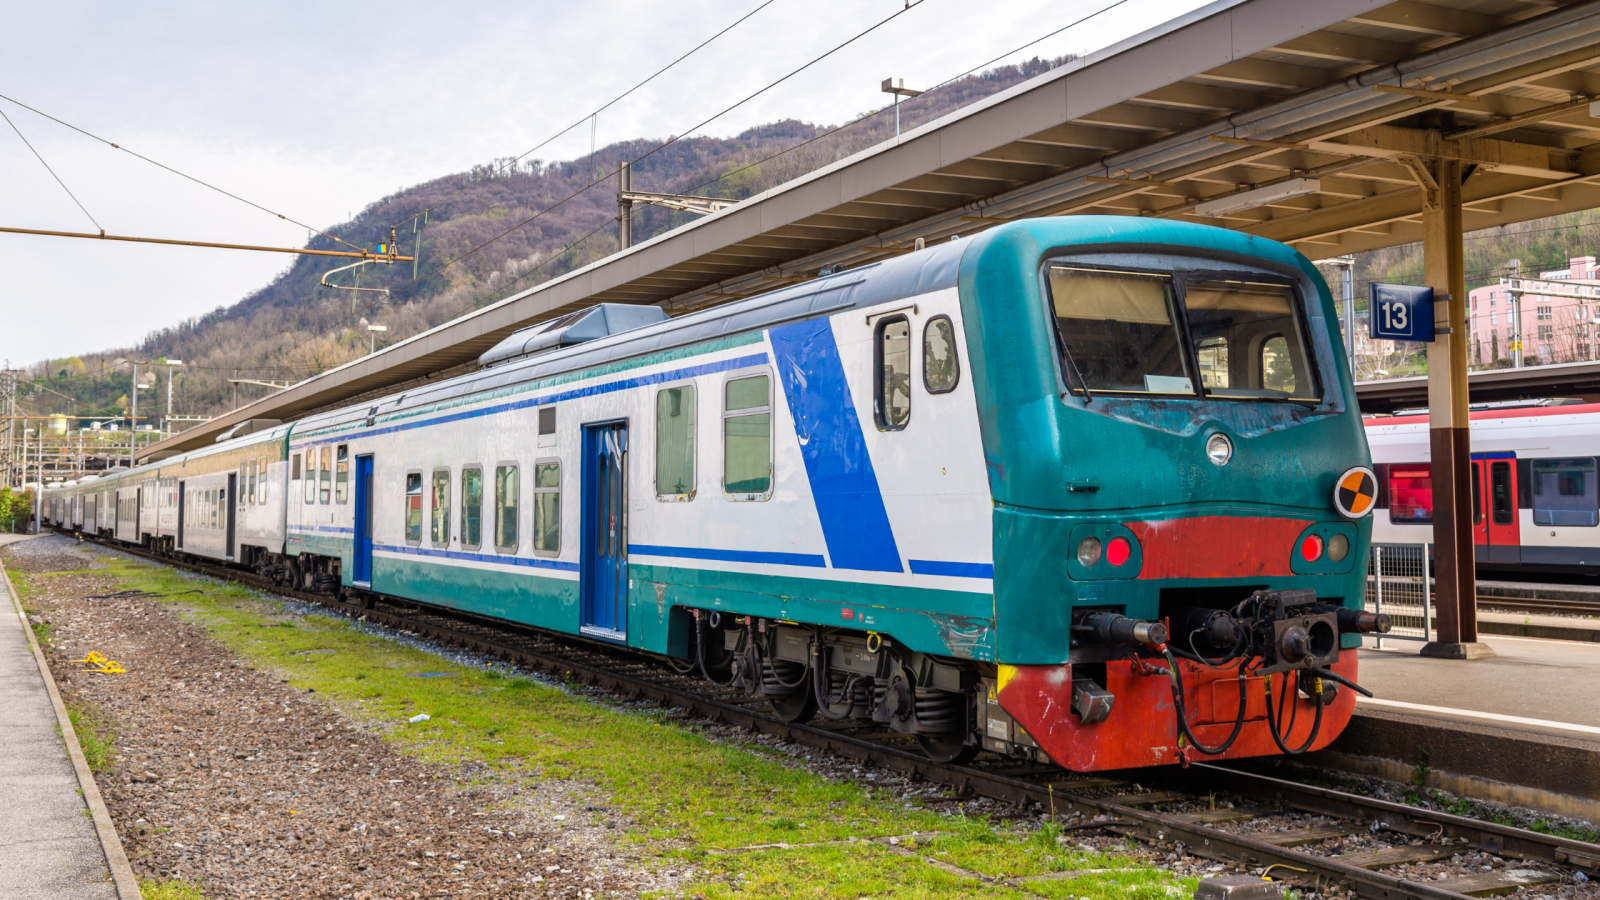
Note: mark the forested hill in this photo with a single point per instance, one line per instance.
(293, 328)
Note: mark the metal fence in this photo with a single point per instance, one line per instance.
(1400, 583)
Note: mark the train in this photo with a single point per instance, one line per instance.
(1535, 502)
(1091, 491)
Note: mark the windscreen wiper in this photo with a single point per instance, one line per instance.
(1078, 373)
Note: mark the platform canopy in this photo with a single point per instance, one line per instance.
(1304, 122)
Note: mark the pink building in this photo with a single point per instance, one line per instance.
(1559, 314)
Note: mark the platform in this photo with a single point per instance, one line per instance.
(49, 846)
(1521, 728)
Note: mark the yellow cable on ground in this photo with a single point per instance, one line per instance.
(100, 664)
(93, 659)
(111, 667)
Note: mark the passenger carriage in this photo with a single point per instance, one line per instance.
(967, 493)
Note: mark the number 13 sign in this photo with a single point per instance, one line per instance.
(1400, 312)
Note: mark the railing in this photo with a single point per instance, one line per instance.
(1400, 583)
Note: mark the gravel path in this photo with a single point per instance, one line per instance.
(225, 775)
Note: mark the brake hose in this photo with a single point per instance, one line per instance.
(700, 654)
(1183, 714)
(1272, 723)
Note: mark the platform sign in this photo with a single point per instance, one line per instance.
(1400, 312)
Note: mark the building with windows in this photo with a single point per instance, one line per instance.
(1551, 319)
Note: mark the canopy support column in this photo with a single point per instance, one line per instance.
(1455, 576)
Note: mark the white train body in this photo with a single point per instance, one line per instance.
(1535, 492)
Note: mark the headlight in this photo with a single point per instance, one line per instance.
(1088, 552)
(1311, 547)
(1118, 551)
(1219, 449)
(1338, 547)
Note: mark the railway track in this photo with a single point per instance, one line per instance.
(1111, 803)
(1541, 605)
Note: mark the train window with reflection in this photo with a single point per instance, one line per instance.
(326, 474)
(471, 507)
(747, 438)
(439, 512)
(675, 443)
(341, 474)
(311, 475)
(250, 491)
(1564, 492)
(261, 484)
(1258, 321)
(892, 400)
(1410, 494)
(547, 507)
(1119, 331)
(507, 501)
(941, 367)
(413, 507)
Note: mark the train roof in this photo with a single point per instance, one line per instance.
(1490, 415)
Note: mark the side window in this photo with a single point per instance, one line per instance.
(1564, 492)
(239, 492)
(413, 507)
(341, 476)
(675, 443)
(941, 366)
(311, 475)
(1410, 494)
(891, 403)
(471, 507)
(547, 507)
(547, 426)
(747, 437)
(506, 490)
(294, 467)
(255, 474)
(439, 513)
(1212, 354)
(325, 475)
(1277, 369)
(261, 483)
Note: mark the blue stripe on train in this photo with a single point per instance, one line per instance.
(855, 523)
(503, 559)
(810, 560)
(952, 569)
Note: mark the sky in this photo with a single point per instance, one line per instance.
(315, 111)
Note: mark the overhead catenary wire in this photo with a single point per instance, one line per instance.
(50, 170)
(607, 175)
(182, 175)
(607, 105)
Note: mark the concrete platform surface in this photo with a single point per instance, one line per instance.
(48, 845)
(1533, 685)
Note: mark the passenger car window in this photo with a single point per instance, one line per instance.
(892, 397)
(251, 490)
(506, 496)
(471, 507)
(547, 508)
(439, 513)
(261, 483)
(675, 443)
(413, 507)
(1564, 492)
(326, 474)
(747, 437)
(341, 478)
(1410, 494)
(941, 365)
(311, 475)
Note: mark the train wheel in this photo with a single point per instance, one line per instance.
(947, 748)
(799, 707)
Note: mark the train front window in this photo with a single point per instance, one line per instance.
(1119, 332)
(1250, 332)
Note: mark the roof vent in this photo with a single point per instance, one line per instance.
(574, 328)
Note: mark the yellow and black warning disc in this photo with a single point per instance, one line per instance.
(1356, 492)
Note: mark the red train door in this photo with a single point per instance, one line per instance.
(1495, 514)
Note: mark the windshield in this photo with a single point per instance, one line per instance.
(1145, 333)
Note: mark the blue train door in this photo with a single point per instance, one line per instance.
(361, 566)
(604, 555)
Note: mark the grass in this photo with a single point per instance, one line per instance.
(95, 737)
(171, 889)
(683, 794)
